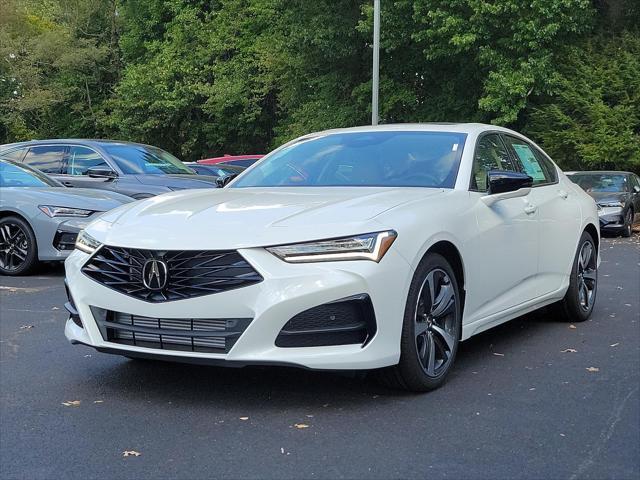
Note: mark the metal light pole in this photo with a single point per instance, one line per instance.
(376, 62)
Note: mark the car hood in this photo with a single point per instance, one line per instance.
(609, 197)
(179, 182)
(85, 198)
(250, 217)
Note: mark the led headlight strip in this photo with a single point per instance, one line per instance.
(368, 246)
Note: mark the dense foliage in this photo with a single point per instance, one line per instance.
(204, 77)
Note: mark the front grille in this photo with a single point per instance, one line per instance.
(64, 240)
(342, 322)
(188, 273)
(207, 335)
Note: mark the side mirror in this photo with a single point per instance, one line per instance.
(636, 189)
(101, 171)
(505, 184)
(221, 182)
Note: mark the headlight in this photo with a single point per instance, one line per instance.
(86, 243)
(369, 246)
(612, 204)
(53, 211)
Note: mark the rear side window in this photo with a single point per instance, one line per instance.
(241, 163)
(81, 159)
(491, 154)
(531, 161)
(47, 159)
(15, 155)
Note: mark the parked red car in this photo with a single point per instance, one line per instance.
(238, 160)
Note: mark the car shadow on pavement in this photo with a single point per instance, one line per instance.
(275, 387)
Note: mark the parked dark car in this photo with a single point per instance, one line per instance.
(236, 160)
(133, 169)
(617, 195)
(215, 170)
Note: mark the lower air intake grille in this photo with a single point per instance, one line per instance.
(161, 276)
(207, 335)
(343, 322)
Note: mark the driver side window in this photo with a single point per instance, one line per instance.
(491, 154)
(81, 159)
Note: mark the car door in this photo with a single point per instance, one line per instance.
(79, 160)
(503, 263)
(635, 199)
(558, 216)
(46, 158)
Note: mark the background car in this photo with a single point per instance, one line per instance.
(356, 249)
(617, 195)
(236, 160)
(40, 218)
(215, 170)
(133, 169)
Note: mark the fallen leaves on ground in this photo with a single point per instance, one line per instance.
(572, 327)
(301, 425)
(568, 350)
(71, 403)
(131, 453)
(26, 327)
(614, 344)
(498, 354)
(593, 369)
(98, 401)
(244, 419)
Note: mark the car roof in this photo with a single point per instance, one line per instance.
(467, 128)
(597, 172)
(70, 141)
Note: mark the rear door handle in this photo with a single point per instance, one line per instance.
(530, 209)
(562, 194)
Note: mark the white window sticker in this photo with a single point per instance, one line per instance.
(529, 162)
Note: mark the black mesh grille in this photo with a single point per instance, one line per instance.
(211, 335)
(189, 273)
(343, 322)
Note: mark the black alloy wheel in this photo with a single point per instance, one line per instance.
(431, 328)
(628, 224)
(18, 251)
(578, 302)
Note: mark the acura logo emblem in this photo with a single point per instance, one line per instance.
(155, 274)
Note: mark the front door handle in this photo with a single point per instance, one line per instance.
(530, 209)
(67, 183)
(562, 194)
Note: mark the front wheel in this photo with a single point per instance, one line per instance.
(18, 249)
(628, 224)
(578, 302)
(431, 328)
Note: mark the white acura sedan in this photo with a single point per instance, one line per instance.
(365, 248)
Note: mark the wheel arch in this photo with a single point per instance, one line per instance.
(592, 230)
(449, 251)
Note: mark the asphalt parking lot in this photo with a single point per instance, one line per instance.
(531, 399)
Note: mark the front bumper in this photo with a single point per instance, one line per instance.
(611, 218)
(286, 291)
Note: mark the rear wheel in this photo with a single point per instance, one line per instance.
(578, 302)
(431, 328)
(628, 224)
(18, 249)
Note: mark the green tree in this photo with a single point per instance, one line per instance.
(58, 60)
(592, 121)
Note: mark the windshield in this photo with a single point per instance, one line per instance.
(363, 159)
(601, 182)
(142, 159)
(13, 175)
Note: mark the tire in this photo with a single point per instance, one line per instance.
(628, 224)
(577, 304)
(430, 330)
(18, 247)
